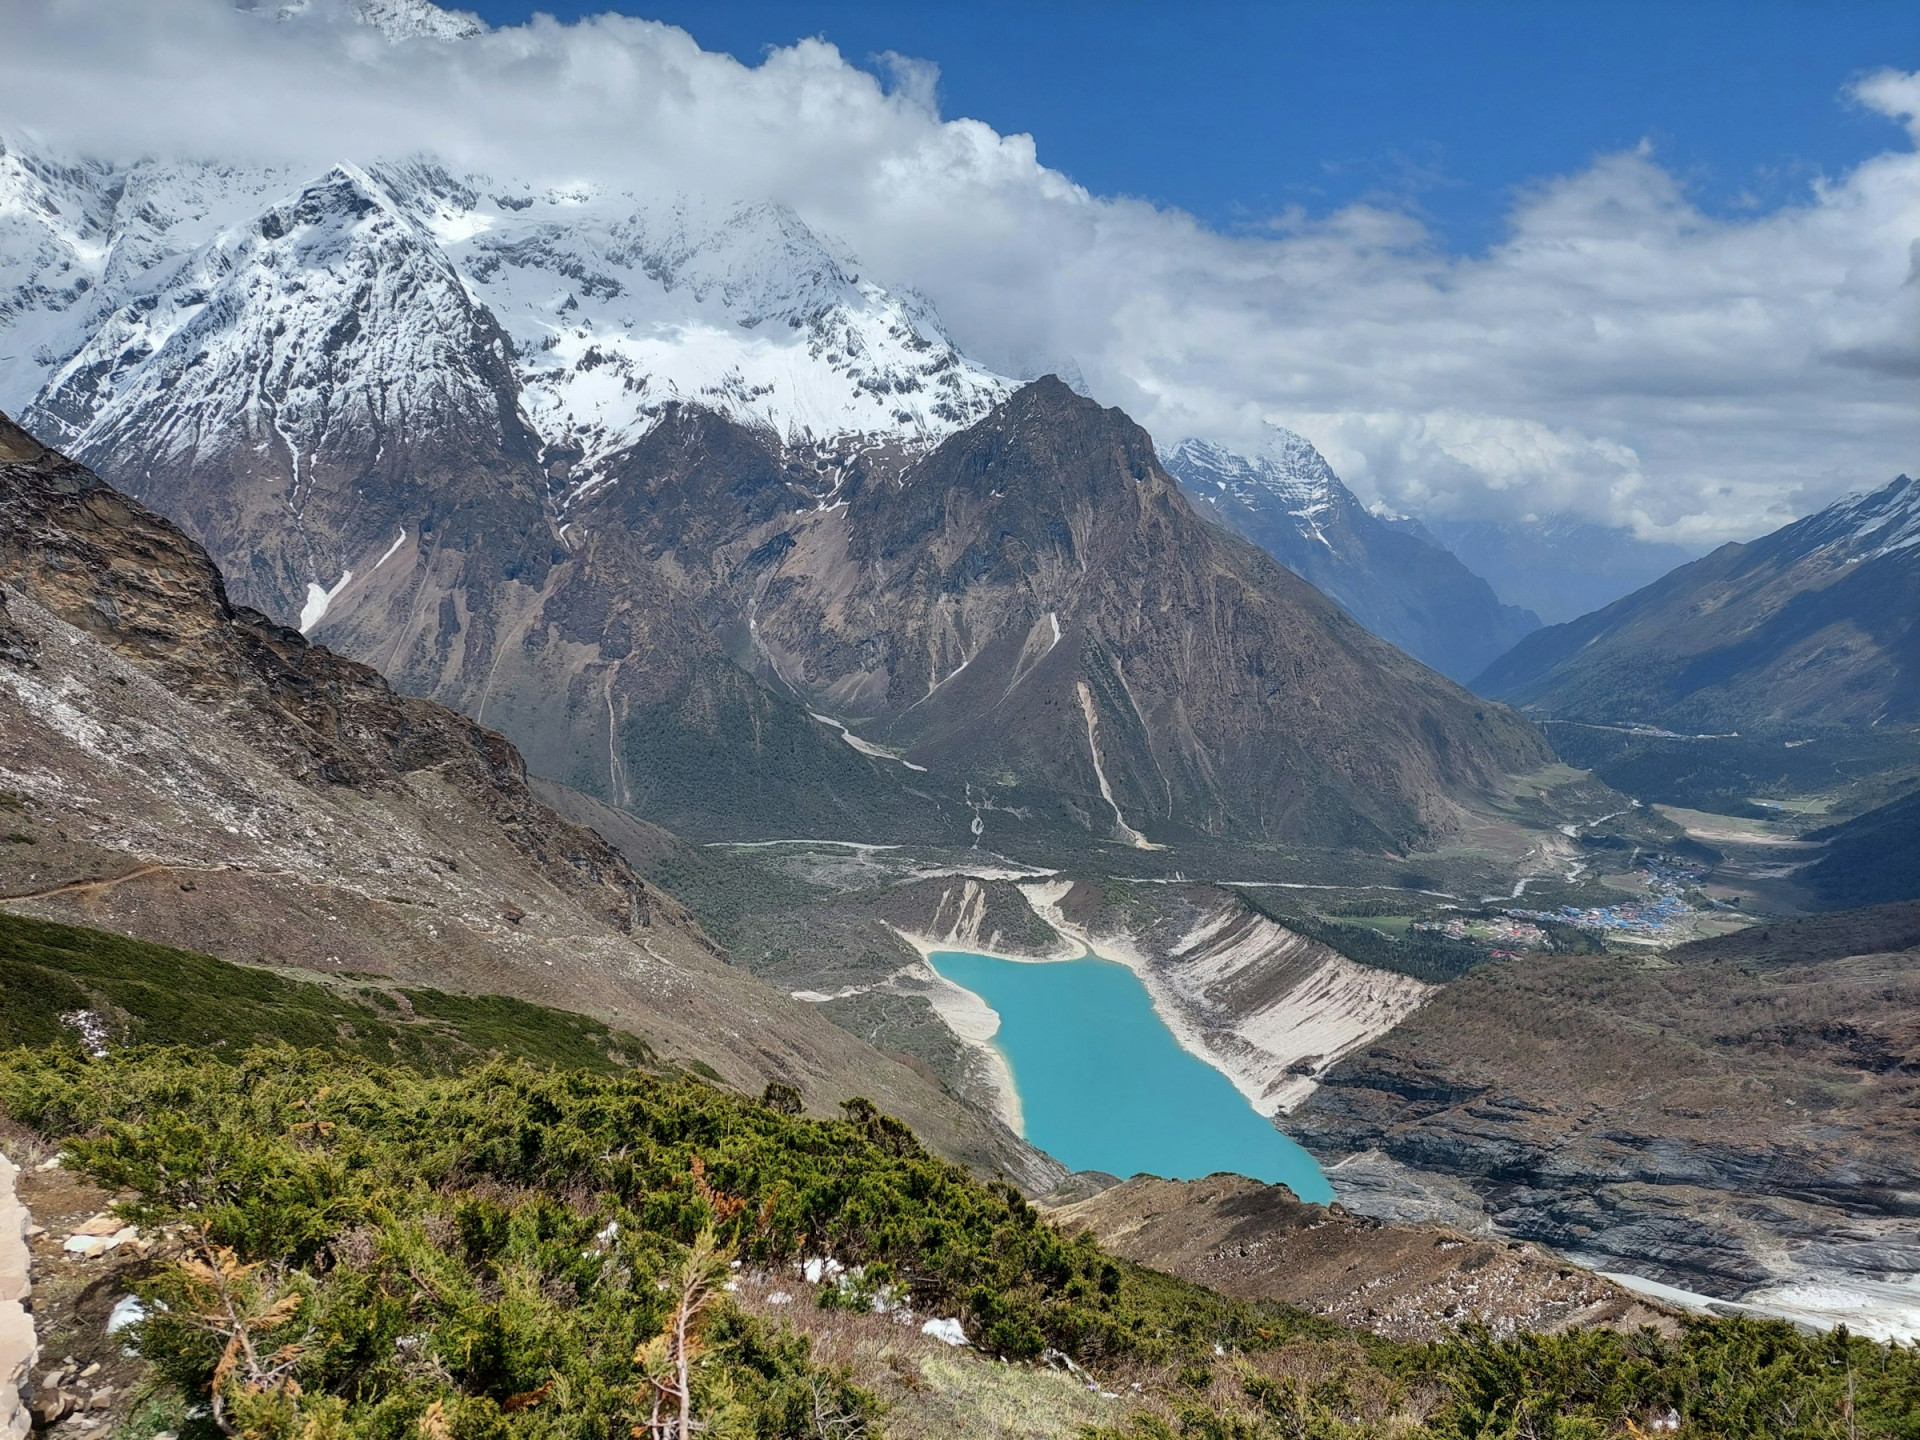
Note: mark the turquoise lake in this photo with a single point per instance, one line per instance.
(1105, 1086)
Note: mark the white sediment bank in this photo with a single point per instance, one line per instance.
(1879, 1309)
(1275, 1053)
(974, 1023)
(1272, 1054)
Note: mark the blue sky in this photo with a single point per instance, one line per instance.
(1237, 111)
(1646, 265)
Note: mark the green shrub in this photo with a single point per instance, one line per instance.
(467, 1240)
(372, 1253)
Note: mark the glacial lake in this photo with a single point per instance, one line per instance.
(1105, 1086)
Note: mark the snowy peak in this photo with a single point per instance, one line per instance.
(398, 20)
(417, 20)
(1286, 466)
(152, 287)
(1865, 525)
(620, 308)
(1386, 571)
(1286, 470)
(323, 322)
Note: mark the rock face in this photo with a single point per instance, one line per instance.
(710, 527)
(187, 771)
(1390, 575)
(1737, 1114)
(1814, 626)
(1407, 1282)
(1034, 607)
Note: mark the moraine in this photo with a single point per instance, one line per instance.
(1103, 1085)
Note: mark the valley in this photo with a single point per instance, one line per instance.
(599, 819)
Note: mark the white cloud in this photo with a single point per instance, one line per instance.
(1620, 354)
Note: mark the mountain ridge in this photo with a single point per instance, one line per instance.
(1391, 576)
(187, 771)
(490, 453)
(1812, 626)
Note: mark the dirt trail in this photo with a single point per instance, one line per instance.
(73, 886)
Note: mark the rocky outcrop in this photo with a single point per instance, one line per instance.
(1407, 1282)
(1731, 1117)
(187, 771)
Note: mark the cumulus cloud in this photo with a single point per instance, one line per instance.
(1619, 354)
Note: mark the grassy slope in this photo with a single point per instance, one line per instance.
(153, 994)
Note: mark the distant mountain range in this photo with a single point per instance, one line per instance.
(1557, 566)
(1390, 575)
(710, 526)
(1816, 625)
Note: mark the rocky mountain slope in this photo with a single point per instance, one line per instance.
(704, 523)
(1407, 1282)
(1033, 606)
(184, 770)
(1734, 1116)
(1814, 626)
(1872, 859)
(1392, 577)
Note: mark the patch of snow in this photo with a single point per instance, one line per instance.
(315, 610)
(948, 1332)
(1871, 524)
(391, 549)
(92, 1027)
(1879, 1308)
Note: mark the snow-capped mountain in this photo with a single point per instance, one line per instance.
(1866, 525)
(1287, 475)
(1389, 574)
(1817, 624)
(119, 283)
(652, 484)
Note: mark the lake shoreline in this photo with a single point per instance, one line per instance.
(1113, 1089)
